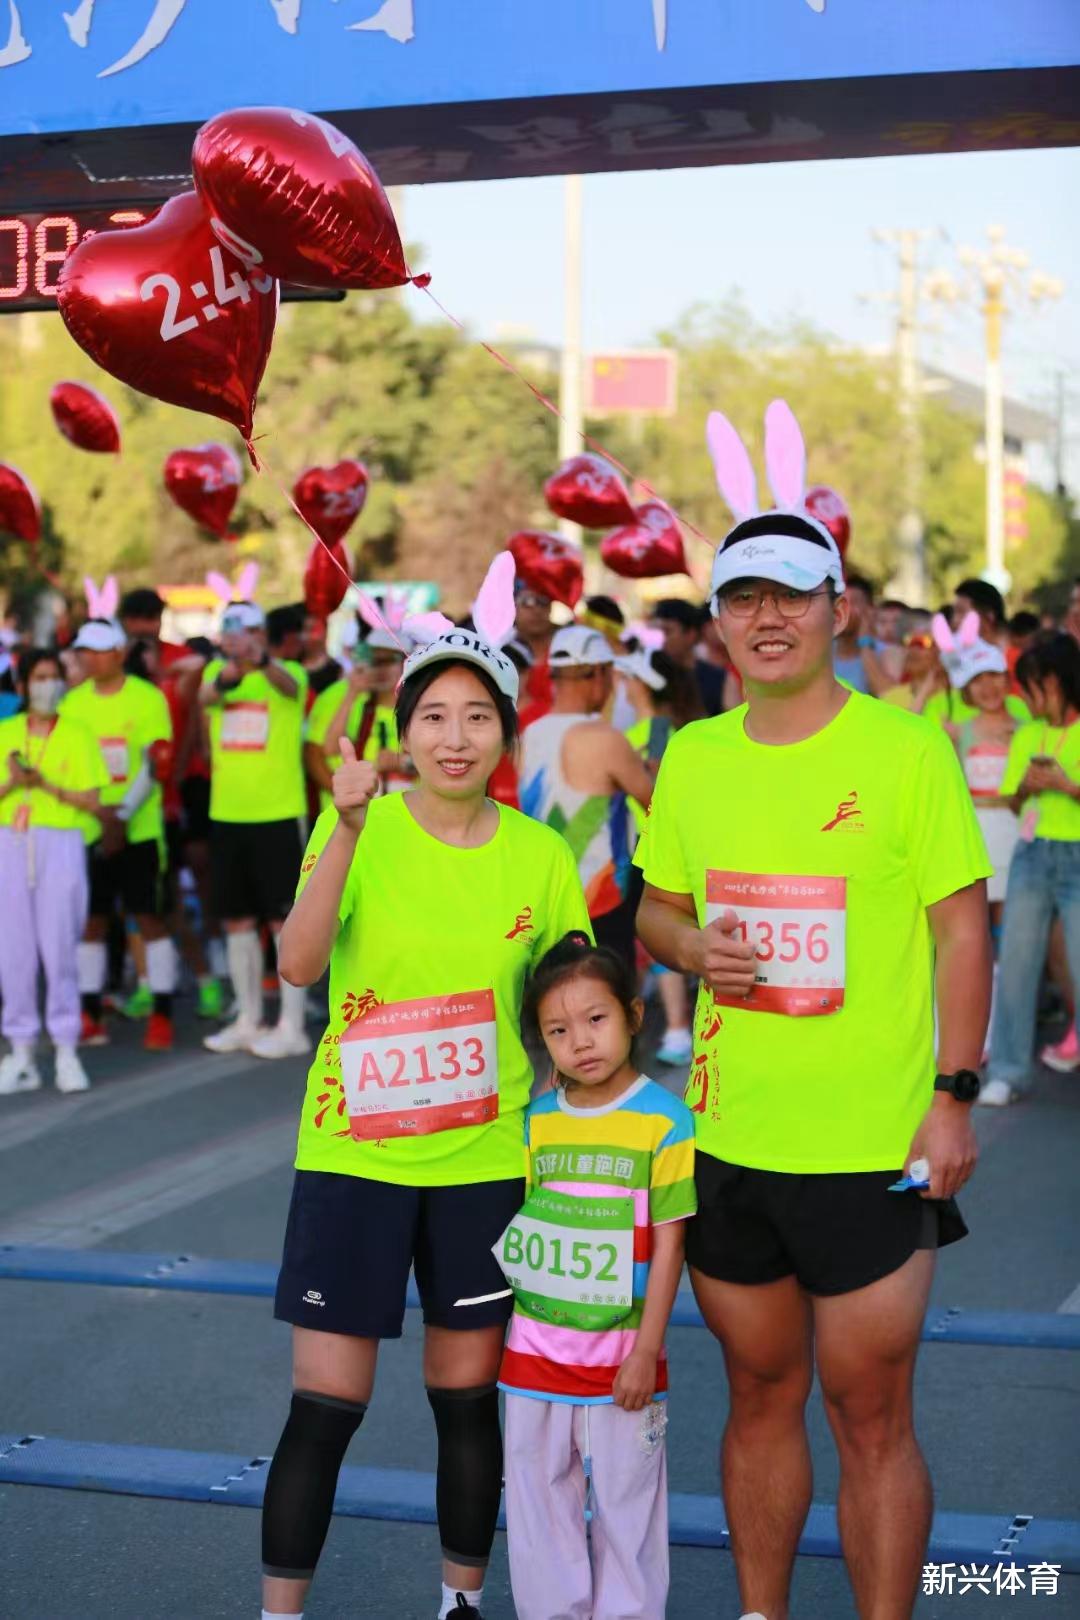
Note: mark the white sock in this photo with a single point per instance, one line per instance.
(245, 969)
(293, 1007)
(23, 1050)
(266, 1615)
(64, 1051)
(449, 1600)
(161, 966)
(91, 965)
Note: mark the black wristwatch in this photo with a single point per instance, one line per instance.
(264, 660)
(963, 1085)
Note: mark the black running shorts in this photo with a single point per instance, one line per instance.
(350, 1244)
(255, 867)
(133, 876)
(833, 1233)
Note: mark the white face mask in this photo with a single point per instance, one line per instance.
(45, 694)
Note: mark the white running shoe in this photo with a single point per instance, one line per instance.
(70, 1074)
(238, 1036)
(281, 1042)
(19, 1072)
(995, 1094)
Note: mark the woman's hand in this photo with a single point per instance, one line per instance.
(1047, 776)
(356, 782)
(635, 1381)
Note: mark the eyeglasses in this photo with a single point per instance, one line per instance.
(530, 599)
(925, 642)
(743, 601)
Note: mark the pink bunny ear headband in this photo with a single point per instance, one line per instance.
(956, 651)
(242, 590)
(101, 633)
(787, 545)
(102, 602)
(439, 638)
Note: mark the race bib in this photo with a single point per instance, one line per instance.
(245, 727)
(412, 1068)
(570, 1258)
(984, 769)
(114, 751)
(797, 926)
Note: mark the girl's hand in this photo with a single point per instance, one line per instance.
(356, 782)
(1048, 778)
(635, 1381)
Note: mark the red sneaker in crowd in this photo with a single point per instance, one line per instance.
(93, 1031)
(159, 1033)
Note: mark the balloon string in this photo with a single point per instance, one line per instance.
(550, 405)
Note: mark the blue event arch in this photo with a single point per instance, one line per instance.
(99, 98)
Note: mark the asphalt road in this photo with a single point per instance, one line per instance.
(190, 1153)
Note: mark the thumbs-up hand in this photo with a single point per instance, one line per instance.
(355, 785)
(726, 958)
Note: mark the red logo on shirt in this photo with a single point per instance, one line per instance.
(846, 810)
(523, 925)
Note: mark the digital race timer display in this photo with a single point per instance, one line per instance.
(34, 246)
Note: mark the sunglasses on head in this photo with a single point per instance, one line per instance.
(920, 640)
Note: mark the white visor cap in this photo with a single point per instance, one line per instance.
(785, 558)
(468, 647)
(240, 616)
(638, 665)
(100, 635)
(578, 647)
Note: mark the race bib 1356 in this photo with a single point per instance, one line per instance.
(797, 925)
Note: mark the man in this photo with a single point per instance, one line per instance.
(285, 633)
(360, 707)
(576, 774)
(533, 631)
(255, 707)
(681, 625)
(130, 719)
(322, 670)
(855, 659)
(890, 622)
(792, 865)
(979, 596)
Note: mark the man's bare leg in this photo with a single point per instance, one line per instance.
(867, 1342)
(766, 1336)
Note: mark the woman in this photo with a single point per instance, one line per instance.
(664, 697)
(430, 907)
(923, 675)
(51, 773)
(1042, 784)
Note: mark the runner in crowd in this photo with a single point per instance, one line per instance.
(817, 910)
(922, 673)
(577, 774)
(321, 670)
(1042, 784)
(51, 777)
(663, 698)
(255, 708)
(361, 707)
(680, 624)
(431, 907)
(285, 634)
(533, 631)
(130, 720)
(610, 1181)
(892, 621)
(855, 651)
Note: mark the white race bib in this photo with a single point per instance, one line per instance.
(412, 1068)
(570, 1257)
(984, 769)
(114, 751)
(245, 727)
(798, 927)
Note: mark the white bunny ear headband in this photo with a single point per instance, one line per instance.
(437, 639)
(964, 654)
(786, 545)
(101, 632)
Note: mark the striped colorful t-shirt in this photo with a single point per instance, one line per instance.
(641, 1148)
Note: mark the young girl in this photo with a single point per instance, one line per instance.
(594, 1259)
(982, 679)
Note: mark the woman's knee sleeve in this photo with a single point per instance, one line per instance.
(300, 1485)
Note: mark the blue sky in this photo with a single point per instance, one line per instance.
(796, 238)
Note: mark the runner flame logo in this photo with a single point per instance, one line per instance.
(523, 924)
(846, 810)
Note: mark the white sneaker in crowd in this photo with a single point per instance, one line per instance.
(70, 1074)
(281, 1042)
(995, 1094)
(238, 1036)
(19, 1072)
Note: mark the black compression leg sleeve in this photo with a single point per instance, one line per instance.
(469, 1478)
(300, 1485)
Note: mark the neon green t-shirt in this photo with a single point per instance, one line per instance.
(829, 851)
(125, 723)
(69, 757)
(326, 705)
(256, 737)
(422, 920)
(949, 708)
(1058, 815)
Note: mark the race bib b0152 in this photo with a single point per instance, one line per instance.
(797, 926)
(570, 1258)
(411, 1068)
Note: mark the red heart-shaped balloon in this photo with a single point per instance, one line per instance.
(549, 565)
(85, 417)
(830, 509)
(587, 490)
(297, 191)
(20, 513)
(332, 498)
(326, 578)
(204, 482)
(648, 548)
(165, 307)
